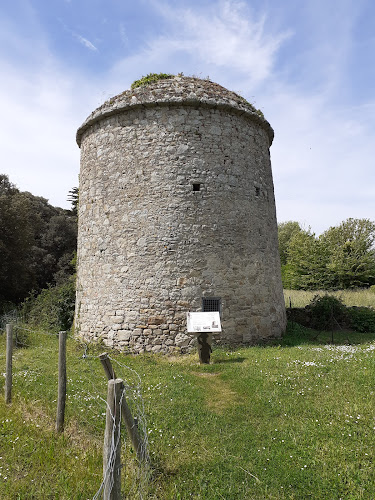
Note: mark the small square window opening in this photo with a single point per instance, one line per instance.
(196, 186)
(211, 304)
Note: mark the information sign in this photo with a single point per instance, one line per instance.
(199, 322)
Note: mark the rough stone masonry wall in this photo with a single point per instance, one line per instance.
(149, 246)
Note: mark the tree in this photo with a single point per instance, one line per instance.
(342, 257)
(16, 240)
(73, 197)
(37, 243)
(6, 187)
(285, 232)
(351, 252)
(59, 241)
(306, 267)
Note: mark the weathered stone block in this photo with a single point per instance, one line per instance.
(182, 340)
(156, 320)
(124, 335)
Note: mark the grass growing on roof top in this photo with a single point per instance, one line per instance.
(150, 78)
(292, 420)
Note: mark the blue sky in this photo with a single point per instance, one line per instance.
(309, 65)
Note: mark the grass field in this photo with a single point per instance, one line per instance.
(294, 420)
(360, 297)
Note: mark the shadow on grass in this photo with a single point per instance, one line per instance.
(297, 334)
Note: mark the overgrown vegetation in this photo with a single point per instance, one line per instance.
(327, 312)
(53, 308)
(37, 242)
(342, 257)
(293, 420)
(150, 78)
(362, 319)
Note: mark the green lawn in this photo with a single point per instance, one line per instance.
(294, 420)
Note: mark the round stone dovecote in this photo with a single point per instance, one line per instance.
(176, 214)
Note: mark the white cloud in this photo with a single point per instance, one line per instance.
(41, 109)
(230, 38)
(36, 151)
(123, 35)
(322, 150)
(226, 37)
(85, 42)
(322, 160)
(82, 40)
(323, 145)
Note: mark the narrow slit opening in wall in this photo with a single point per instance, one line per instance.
(211, 304)
(257, 191)
(196, 186)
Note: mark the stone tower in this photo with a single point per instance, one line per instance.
(176, 214)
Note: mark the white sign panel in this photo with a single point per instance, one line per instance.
(199, 322)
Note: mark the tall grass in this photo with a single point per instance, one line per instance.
(289, 421)
(360, 297)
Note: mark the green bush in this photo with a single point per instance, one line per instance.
(327, 312)
(362, 319)
(372, 288)
(53, 308)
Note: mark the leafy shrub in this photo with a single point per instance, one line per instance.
(362, 319)
(327, 312)
(53, 308)
(372, 288)
(296, 334)
(150, 78)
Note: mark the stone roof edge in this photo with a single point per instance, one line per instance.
(99, 115)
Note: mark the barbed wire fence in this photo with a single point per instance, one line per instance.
(88, 396)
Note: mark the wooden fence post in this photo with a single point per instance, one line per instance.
(61, 397)
(131, 426)
(107, 366)
(112, 442)
(8, 371)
